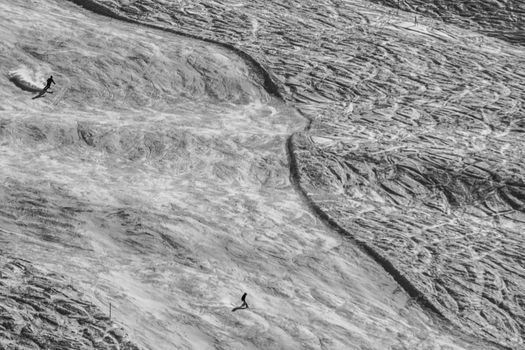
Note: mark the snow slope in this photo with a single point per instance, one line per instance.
(415, 144)
(156, 178)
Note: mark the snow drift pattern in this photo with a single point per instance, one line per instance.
(26, 79)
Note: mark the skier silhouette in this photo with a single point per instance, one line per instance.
(244, 303)
(48, 83)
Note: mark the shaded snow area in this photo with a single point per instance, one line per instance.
(358, 174)
(41, 310)
(504, 19)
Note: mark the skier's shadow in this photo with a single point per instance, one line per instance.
(239, 308)
(42, 94)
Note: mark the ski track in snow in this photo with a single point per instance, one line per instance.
(157, 179)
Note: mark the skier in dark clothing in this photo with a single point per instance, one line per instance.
(244, 303)
(48, 83)
(243, 298)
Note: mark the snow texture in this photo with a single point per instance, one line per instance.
(355, 170)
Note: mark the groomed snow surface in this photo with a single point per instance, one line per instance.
(160, 177)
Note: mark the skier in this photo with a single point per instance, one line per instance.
(44, 90)
(244, 303)
(243, 298)
(48, 83)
